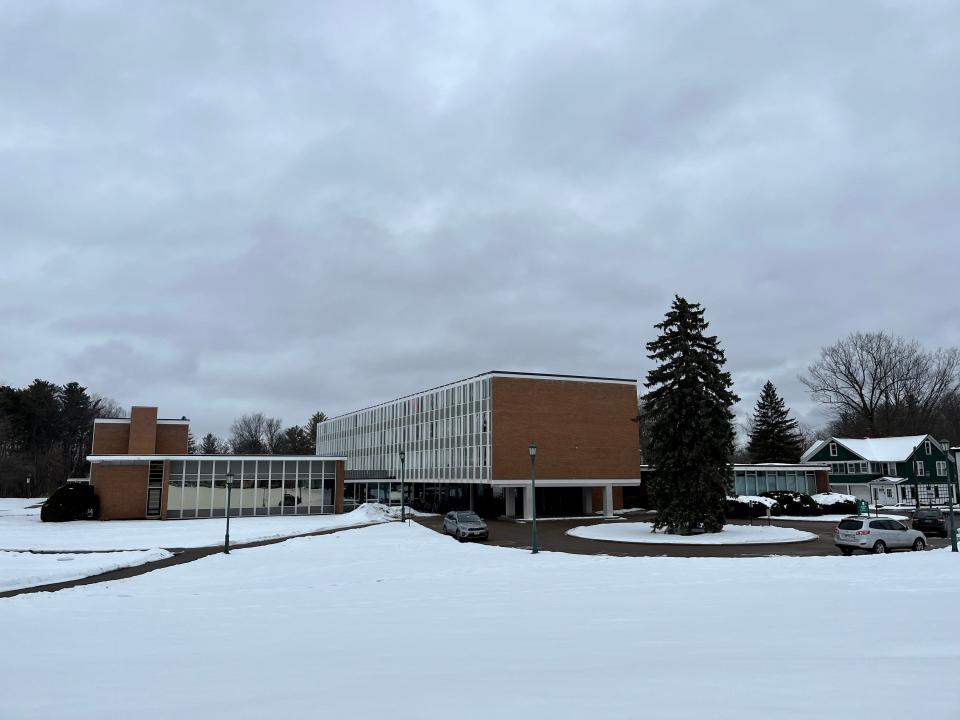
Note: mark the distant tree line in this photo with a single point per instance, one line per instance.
(46, 432)
(257, 434)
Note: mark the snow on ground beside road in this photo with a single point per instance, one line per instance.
(25, 531)
(23, 569)
(826, 518)
(730, 535)
(397, 621)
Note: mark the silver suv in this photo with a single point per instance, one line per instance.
(465, 525)
(876, 535)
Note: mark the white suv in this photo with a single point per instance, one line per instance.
(876, 535)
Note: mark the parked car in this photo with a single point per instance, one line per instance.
(876, 535)
(930, 521)
(73, 501)
(465, 525)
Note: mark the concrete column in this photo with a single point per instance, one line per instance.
(510, 498)
(587, 501)
(527, 504)
(608, 500)
(471, 495)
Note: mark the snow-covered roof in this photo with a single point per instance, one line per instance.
(885, 449)
(813, 450)
(888, 481)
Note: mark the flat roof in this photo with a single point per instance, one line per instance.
(147, 458)
(494, 373)
(126, 420)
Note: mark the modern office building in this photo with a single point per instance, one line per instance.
(465, 444)
(140, 469)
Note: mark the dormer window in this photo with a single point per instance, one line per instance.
(833, 449)
(928, 447)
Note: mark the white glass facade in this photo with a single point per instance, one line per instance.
(444, 432)
(268, 486)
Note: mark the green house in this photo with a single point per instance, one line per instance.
(912, 470)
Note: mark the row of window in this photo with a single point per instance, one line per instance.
(882, 468)
(260, 487)
(445, 434)
(750, 482)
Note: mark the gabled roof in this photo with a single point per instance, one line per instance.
(886, 449)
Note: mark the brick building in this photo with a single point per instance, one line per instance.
(140, 469)
(465, 444)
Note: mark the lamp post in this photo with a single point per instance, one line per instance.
(403, 511)
(533, 497)
(29, 480)
(226, 537)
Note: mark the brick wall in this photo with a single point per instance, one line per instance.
(583, 430)
(122, 490)
(111, 438)
(172, 439)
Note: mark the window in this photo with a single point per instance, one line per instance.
(927, 447)
(921, 470)
(833, 449)
(941, 468)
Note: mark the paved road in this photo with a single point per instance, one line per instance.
(552, 536)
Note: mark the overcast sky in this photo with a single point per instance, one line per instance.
(224, 207)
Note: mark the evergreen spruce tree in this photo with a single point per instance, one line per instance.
(690, 423)
(774, 435)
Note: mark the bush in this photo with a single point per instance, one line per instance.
(745, 507)
(793, 503)
(836, 503)
(73, 501)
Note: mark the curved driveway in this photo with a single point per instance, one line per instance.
(552, 536)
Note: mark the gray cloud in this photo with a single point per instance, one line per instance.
(291, 206)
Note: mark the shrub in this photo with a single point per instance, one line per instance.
(836, 503)
(73, 501)
(793, 503)
(744, 507)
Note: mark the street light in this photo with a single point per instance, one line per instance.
(403, 511)
(226, 537)
(533, 496)
(29, 480)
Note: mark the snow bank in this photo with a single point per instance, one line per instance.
(26, 532)
(768, 502)
(828, 518)
(730, 535)
(397, 621)
(830, 498)
(23, 569)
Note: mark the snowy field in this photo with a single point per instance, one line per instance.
(730, 535)
(21, 529)
(23, 569)
(398, 621)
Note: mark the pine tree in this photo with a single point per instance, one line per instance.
(690, 423)
(774, 435)
(210, 444)
(315, 419)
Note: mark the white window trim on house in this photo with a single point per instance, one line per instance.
(941, 468)
(927, 448)
(833, 449)
(921, 469)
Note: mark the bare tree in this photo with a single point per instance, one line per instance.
(884, 384)
(255, 433)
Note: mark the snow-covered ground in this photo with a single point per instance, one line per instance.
(21, 529)
(826, 518)
(642, 532)
(23, 569)
(397, 621)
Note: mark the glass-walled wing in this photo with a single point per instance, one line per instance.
(198, 488)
